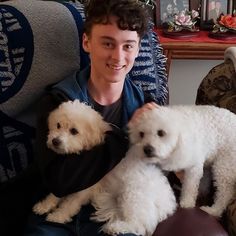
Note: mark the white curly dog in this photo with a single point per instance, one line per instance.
(133, 198)
(194, 136)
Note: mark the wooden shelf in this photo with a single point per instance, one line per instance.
(193, 50)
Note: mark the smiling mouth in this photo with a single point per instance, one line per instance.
(115, 67)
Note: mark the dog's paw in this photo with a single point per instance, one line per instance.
(40, 208)
(58, 218)
(211, 211)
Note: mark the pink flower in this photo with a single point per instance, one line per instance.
(183, 19)
(194, 14)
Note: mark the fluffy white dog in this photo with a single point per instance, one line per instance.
(194, 136)
(134, 197)
(73, 127)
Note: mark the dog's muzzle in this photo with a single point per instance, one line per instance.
(56, 142)
(149, 151)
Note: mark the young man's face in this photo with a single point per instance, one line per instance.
(112, 51)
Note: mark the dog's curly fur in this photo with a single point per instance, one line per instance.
(194, 136)
(74, 127)
(133, 198)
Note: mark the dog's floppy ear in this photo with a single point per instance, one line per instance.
(95, 133)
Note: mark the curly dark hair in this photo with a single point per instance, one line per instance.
(131, 14)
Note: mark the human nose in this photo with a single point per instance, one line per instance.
(117, 53)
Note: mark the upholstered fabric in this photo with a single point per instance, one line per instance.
(219, 87)
(35, 51)
(149, 71)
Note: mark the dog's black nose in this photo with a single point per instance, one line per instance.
(56, 142)
(149, 150)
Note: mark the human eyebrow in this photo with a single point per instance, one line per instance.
(131, 41)
(107, 38)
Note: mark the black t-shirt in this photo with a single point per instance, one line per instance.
(111, 113)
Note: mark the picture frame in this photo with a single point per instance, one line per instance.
(212, 9)
(165, 9)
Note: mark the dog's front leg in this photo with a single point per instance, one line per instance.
(190, 186)
(46, 205)
(70, 206)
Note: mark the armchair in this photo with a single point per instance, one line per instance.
(40, 44)
(218, 88)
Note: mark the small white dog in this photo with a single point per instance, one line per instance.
(132, 198)
(194, 136)
(73, 127)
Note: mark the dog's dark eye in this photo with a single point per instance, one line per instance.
(74, 131)
(161, 133)
(141, 134)
(58, 125)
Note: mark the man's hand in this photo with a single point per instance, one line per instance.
(141, 110)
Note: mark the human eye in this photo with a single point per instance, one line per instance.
(107, 44)
(129, 47)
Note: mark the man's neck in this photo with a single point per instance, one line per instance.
(105, 94)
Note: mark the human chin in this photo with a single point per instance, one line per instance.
(115, 78)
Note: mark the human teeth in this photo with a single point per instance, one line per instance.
(116, 67)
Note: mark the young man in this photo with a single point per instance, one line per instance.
(113, 30)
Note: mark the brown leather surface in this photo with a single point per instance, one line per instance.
(190, 222)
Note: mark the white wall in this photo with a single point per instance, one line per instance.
(185, 77)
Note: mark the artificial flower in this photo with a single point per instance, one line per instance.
(226, 23)
(185, 20)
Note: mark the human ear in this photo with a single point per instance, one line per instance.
(86, 43)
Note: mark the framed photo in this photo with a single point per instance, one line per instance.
(212, 9)
(165, 9)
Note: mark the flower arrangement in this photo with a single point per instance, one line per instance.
(225, 23)
(185, 20)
